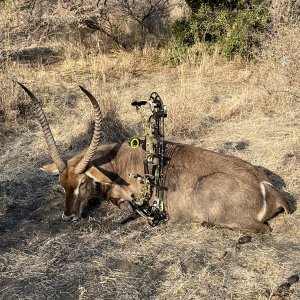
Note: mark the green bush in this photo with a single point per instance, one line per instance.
(235, 26)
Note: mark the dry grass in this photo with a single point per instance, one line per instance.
(211, 103)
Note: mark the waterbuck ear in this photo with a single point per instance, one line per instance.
(50, 168)
(97, 175)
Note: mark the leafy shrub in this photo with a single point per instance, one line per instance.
(233, 25)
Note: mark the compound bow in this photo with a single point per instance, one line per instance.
(153, 178)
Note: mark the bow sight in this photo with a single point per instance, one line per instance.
(153, 177)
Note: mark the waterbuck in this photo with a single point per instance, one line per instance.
(202, 186)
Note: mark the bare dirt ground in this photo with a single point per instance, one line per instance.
(250, 110)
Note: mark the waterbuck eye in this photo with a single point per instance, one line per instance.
(82, 183)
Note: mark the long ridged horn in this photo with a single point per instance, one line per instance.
(96, 135)
(46, 130)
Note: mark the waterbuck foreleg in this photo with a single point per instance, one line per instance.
(120, 197)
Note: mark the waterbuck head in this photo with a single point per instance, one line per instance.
(76, 176)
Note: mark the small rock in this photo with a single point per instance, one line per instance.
(283, 290)
(182, 267)
(181, 290)
(244, 239)
(293, 279)
(281, 224)
(216, 99)
(221, 254)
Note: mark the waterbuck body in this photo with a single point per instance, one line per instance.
(201, 185)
